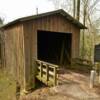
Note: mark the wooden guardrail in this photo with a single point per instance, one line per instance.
(47, 73)
(82, 61)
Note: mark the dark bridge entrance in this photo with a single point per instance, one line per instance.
(54, 47)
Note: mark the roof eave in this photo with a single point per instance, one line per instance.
(60, 11)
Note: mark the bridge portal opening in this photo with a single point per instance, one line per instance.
(54, 47)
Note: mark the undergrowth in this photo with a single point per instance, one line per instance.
(7, 86)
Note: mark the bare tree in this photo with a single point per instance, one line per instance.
(1, 21)
(63, 4)
(87, 14)
(78, 10)
(74, 8)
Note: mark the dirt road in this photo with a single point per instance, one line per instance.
(72, 86)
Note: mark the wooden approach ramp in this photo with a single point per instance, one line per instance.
(47, 73)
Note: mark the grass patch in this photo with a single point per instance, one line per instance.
(7, 86)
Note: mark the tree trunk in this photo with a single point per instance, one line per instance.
(84, 14)
(74, 8)
(78, 10)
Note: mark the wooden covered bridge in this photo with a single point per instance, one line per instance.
(52, 37)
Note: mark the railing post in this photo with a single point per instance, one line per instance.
(41, 70)
(47, 73)
(55, 76)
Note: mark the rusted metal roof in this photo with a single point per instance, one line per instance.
(60, 11)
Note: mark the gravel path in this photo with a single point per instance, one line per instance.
(72, 86)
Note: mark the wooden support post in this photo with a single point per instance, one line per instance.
(55, 76)
(99, 71)
(47, 74)
(41, 64)
(62, 54)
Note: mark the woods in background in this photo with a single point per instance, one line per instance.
(86, 11)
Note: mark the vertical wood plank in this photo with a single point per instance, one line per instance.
(41, 64)
(47, 74)
(55, 76)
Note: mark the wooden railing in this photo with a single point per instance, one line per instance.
(82, 61)
(47, 73)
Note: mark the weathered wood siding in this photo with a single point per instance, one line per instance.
(21, 44)
(14, 52)
(28, 55)
(54, 23)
